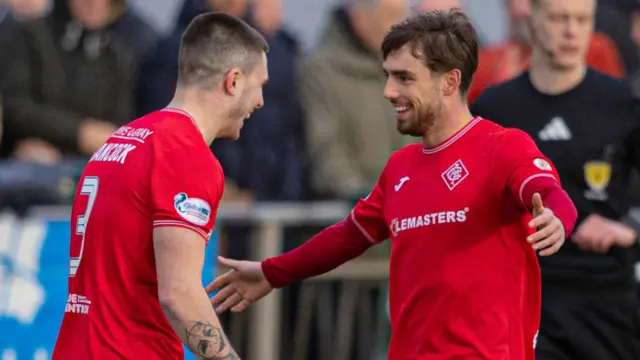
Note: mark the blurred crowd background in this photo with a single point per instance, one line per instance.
(72, 71)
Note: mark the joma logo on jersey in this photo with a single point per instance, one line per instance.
(455, 174)
(444, 217)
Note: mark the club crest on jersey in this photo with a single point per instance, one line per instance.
(194, 210)
(455, 174)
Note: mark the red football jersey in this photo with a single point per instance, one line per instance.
(155, 171)
(464, 282)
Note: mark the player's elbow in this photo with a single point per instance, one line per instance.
(172, 295)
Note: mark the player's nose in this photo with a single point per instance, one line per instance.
(390, 92)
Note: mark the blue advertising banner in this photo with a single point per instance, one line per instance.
(34, 263)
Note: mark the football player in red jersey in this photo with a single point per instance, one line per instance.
(467, 211)
(146, 206)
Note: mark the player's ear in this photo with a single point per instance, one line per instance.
(232, 81)
(452, 81)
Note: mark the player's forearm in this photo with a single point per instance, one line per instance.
(194, 321)
(553, 198)
(324, 252)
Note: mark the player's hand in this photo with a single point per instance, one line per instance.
(550, 235)
(239, 287)
(599, 234)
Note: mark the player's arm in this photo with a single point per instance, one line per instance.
(179, 255)
(186, 187)
(333, 246)
(528, 172)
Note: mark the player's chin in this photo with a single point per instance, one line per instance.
(404, 127)
(235, 134)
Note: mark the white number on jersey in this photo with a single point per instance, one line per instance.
(89, 188)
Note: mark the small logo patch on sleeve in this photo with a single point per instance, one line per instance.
(542, 164)
(194, 210)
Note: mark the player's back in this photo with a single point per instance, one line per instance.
(113, 310)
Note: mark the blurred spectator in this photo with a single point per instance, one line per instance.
(616, 18)
(22, 10)
(503, 62)
(351, 131)
(266, 163)
(13, 11)
(134, 32)
(68, 83)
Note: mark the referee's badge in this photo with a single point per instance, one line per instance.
(597, 175)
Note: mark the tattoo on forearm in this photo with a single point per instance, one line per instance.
(203, 339)
(208, 342)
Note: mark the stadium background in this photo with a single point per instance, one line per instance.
(340, 316)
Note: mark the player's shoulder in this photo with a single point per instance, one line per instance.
(502, 136)
(172, 132)
(405, 152)
(170, 127)
(166, 120)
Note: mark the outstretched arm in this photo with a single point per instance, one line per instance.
(324, 252)
(333, 246)
(179, 255)
(248, 281)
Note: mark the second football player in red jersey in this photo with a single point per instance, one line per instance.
(464, 276)
(146, 205)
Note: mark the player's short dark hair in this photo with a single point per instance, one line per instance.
(214, 43)
(445, 40)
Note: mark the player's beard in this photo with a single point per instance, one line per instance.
(424, 118)
(236, 117)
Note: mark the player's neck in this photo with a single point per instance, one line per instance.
(202, 117)
(552, 81)
(446, 127)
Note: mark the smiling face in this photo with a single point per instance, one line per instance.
(225, 60)
(414, 91)
(247, 96)
(429, 61)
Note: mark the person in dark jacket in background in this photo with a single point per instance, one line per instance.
(133, 31)
(68, 84)
(266, 163)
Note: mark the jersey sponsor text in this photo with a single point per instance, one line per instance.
(442, 217)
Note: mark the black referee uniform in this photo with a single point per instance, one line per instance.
(592, 134)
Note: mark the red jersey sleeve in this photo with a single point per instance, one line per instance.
(367, 214)
(186, 184)
(520, 160)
